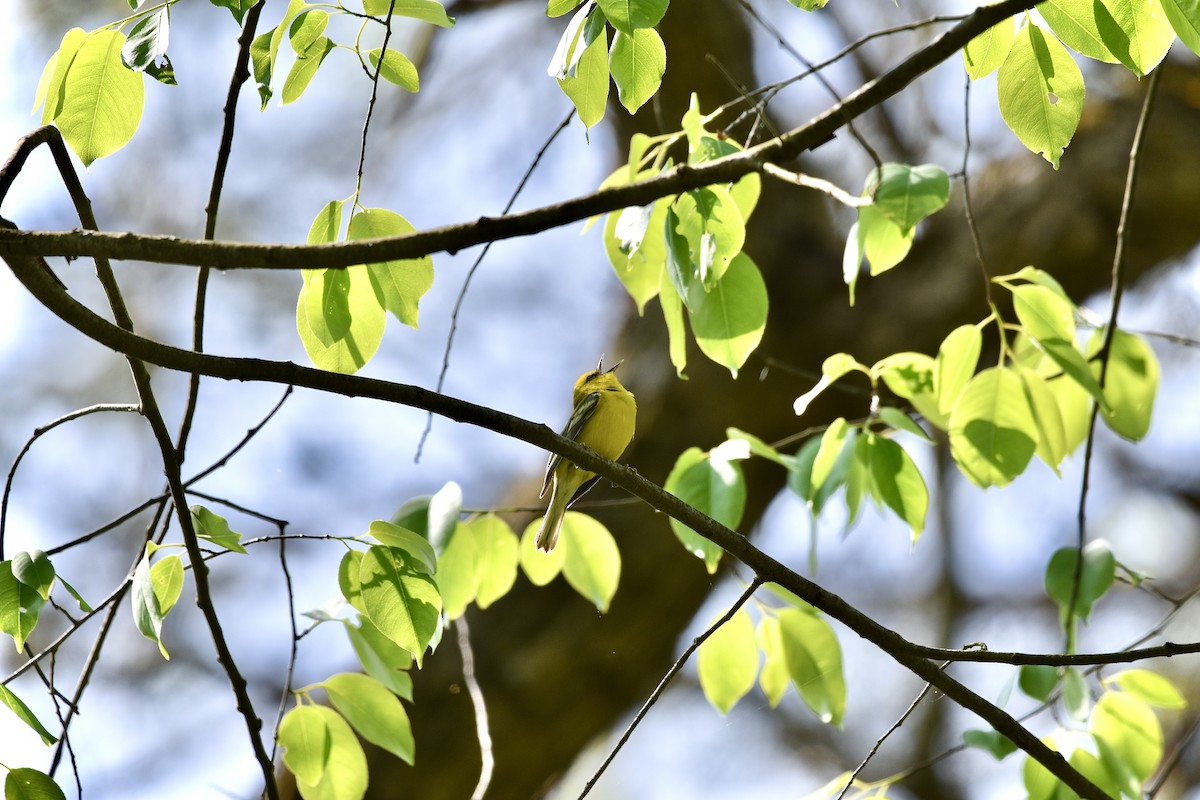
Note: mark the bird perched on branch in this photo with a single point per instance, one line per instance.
(603, 419)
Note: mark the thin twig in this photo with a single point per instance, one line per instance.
(462, 292)
(968, 207)
(293, 648)
(39, 432)
(662, 685)
(482, 727)
(241, 73)
(879, 742)
(820, 184)
(1117, 291)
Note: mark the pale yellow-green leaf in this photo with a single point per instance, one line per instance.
(727, 662)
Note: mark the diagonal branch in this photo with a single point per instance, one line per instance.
(40, 282)
(452, 238)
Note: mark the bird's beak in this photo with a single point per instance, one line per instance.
(613, 368)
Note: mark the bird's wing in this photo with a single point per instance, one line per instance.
(582, 413)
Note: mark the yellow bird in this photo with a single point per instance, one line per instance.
(603, 419)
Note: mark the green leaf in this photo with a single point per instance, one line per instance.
(899, 420)
(23, 783)
(714, 486)
(833, 441)
(156, 589)
(680, 269)
(588, 87)
(339, 317)
(167, 579)
(728, 321)
(262, 63)
(591, 560)
(236, 7)
(585, 26)
(1076, 695)
(1099, 569)
(432, 516)
(35, 571)
(832, 368)
(1150, 687)
(479, 565)
(424, 10)
(629, 15)
(304, 736)
(728, 662)
(305, 32)
(396, 69)
(498, 554)
(538, 565)
(814, 661)
(373, 711)
(399, 285)
(18, 707)
(897, 481)
(984, 54)
(1045, 314)
(712, 224)
(1130, 385)
(20, 605)
(381, 658)
(957, 358)
(348, 569)
(1072, 362)
(758, 447)
(999, 745)
(992, 432)
(50, 92)
(345, 767)
(672, 308)
(1051, 434)
(1074, 22)
(400, 599)
(101, 98)
(411, 542)
(556, 8)
(83, 604)
(1137, 32)
(637, 62)
(1184, 16)
(1037, 680)
(1041, 93)
(913, 376)
(304, 68)
(906, 194)
(882, 241)
(773, 679)
(640, 267)
(213, 528)
(148, 40)
(1128, 726)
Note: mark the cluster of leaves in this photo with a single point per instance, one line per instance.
(687, 250)
(1040, 87)
(1115, 739)
(798, 648)
(305, 24)
(583, 61)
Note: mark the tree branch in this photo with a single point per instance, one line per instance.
(39, 281)
(452, 238)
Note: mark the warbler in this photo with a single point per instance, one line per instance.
(603, 420)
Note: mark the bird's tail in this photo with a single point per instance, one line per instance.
(547, 533)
